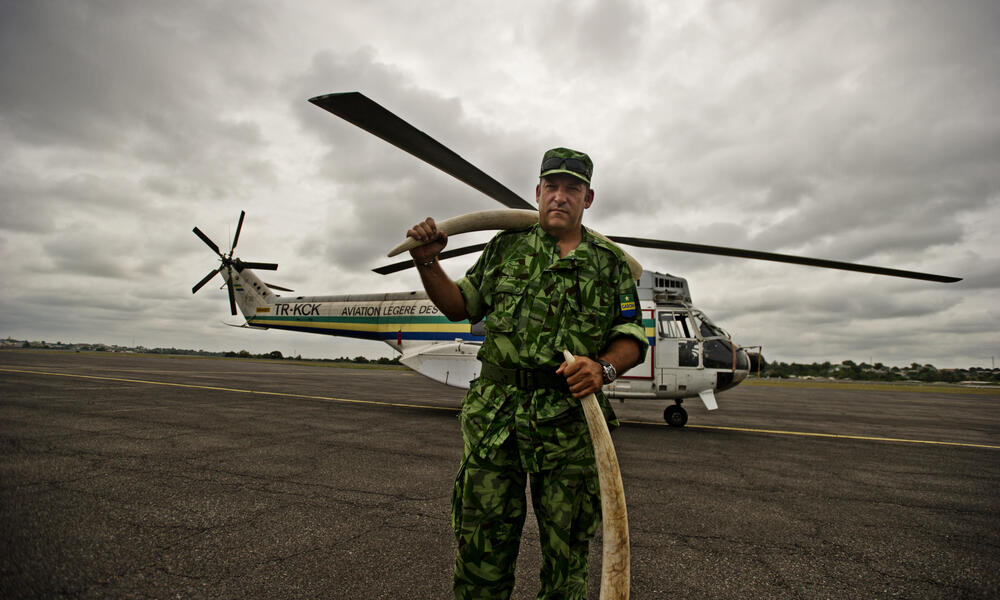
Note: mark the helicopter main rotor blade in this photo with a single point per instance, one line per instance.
(205, 280)
(367, 114)
(240, 265)
(236, 236)
(406, 264)
(208, 241)
(377, 120)
(232, 294)
(785, 258)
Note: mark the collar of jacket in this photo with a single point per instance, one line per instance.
(581, 252)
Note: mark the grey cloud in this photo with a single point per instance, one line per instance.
(844, 130)
(85, 251)
(979, 273)
(107, 66)
(22, 214)
(132, 82)
(384, 190)
(381, 212)
(580, 39)
(357, 156)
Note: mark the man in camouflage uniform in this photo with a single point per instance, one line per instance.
(551, 286)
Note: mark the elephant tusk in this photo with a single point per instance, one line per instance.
(615, 558)
(500, 219)
(477, 221)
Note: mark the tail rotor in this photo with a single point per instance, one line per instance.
(229, 263)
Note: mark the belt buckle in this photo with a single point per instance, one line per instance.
(525, 379)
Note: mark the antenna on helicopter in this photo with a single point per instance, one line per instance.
(229, 263)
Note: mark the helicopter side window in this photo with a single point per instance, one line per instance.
(674, 325)
(668, 326)
(688, 351)
(680, 326)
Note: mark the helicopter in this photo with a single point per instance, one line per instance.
(689, 356)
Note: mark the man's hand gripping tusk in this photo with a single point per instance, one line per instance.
(615, 559)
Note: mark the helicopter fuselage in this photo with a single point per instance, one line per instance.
(689, 356)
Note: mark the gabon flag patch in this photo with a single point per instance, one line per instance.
(627, 305)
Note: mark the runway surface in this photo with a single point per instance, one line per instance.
(137, 476)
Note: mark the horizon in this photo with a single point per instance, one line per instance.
(349, 356)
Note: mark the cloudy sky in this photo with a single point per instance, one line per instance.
(857, 131)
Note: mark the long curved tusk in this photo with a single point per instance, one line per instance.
(615, 558)
(477, 221)
(501, 219)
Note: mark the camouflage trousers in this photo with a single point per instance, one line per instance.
(488, 513)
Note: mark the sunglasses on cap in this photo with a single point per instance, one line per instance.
(570, 164)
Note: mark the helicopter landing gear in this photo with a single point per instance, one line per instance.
(675, 415)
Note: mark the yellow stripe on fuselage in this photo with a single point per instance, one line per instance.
(366, 327)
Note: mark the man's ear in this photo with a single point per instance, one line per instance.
(590, 198)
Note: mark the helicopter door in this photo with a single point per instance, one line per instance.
(676, 337)
(677, 350)
(666, 343)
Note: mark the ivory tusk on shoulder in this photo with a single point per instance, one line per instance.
(477, 221)
(615, 570)
(500, 219)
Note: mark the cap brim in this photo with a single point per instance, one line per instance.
(568, 172)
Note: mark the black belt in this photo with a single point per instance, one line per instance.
(525, 379)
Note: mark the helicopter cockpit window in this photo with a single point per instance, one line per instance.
(707, 328)
(719, 355)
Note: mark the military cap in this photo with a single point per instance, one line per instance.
(564, 160)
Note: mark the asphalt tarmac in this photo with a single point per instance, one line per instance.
(134, 476)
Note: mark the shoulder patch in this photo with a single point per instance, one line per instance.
(628, 305)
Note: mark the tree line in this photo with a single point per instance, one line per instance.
(848, 369)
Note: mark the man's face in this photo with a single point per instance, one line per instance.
(561, 200)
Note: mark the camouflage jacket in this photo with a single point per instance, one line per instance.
(535, 303)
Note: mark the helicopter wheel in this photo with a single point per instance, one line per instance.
(675, 416)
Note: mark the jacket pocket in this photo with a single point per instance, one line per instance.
(507, 295)
(585, 334)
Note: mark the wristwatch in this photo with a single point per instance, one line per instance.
(608, 372)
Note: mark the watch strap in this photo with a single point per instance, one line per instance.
(608, 371)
